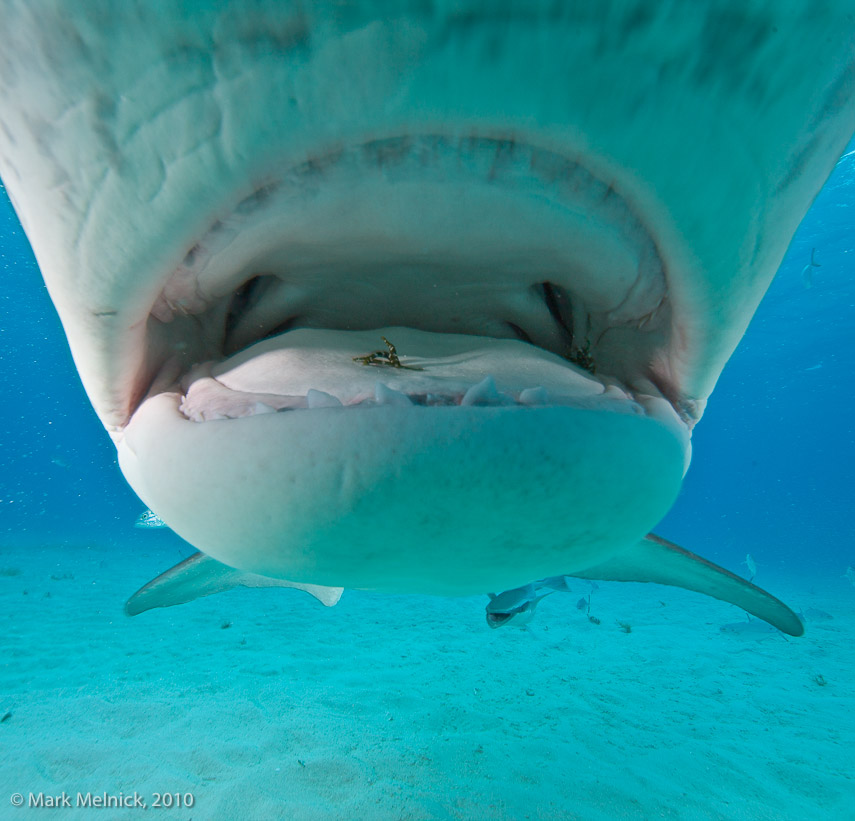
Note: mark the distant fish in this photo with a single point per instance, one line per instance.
(751, 565)
(815, 614)
(850, 574)
(149, 518)
(807, 271)
(751, 629)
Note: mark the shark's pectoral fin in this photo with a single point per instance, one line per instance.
(653, 559)
(200, 575)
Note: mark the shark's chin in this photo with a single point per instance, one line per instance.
(406, 498)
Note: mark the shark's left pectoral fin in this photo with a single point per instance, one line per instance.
(200, 575)
(654, 559)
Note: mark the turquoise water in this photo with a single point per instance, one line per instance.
(264, 704)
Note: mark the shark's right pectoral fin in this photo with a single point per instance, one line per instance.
(654, 559)
(200, 575)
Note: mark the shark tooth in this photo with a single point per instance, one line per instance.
(384, 395)
(259, 408)
(485, 393)
(534, 396)
(320, 399)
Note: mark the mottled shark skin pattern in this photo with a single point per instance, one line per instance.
(561, 216)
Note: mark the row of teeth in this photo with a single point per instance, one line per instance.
(484, 393)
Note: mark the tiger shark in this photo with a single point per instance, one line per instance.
(413, 296)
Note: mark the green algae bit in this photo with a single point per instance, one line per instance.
(388, 358)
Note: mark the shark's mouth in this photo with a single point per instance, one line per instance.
(455, 238)
(420, 274)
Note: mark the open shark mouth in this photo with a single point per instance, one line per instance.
(453, 239)
(511, 274)
(438, 279)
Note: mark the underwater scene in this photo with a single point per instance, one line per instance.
(569, 697)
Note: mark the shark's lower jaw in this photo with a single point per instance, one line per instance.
(414, 364)
(448, 500)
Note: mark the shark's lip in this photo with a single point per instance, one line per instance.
(508, 240)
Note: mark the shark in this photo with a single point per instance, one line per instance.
(416, 297)
(519, 605)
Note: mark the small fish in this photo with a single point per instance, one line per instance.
(807, 271)
(751, 565)
(751, 629)
(520, 603)
(850, 574)
(149, 518)
(815, 614)
(517, 605)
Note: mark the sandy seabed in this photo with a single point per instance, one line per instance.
(262, 704)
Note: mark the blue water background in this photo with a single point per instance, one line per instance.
(772, 472)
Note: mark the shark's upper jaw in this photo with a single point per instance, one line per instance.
(477, 236)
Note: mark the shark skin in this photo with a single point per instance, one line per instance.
(233, 204)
